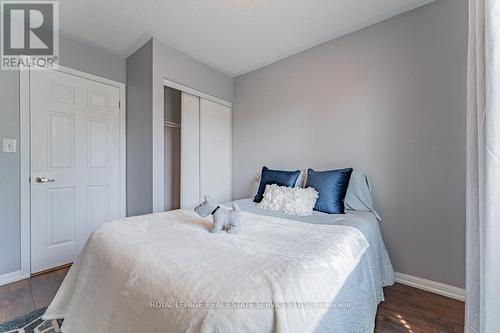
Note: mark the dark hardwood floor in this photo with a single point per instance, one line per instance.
(25, 296)
(411, 310)
(405, 310)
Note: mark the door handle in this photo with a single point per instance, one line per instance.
(44, 180)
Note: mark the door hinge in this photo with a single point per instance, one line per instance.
(119, 104)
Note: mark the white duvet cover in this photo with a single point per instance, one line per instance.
(166, 273)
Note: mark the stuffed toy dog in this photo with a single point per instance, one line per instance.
(224, 218)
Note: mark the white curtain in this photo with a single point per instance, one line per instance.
(483, 168)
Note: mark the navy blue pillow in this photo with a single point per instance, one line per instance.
(278, 177)
(332, 188)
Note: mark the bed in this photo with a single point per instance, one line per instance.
(165, 272)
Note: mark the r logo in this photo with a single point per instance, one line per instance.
(29, 29)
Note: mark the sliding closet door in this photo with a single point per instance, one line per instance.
(190, 150)
(215, 150)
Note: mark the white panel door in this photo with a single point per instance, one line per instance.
(74, 164)
(215, 150)
(190, 150)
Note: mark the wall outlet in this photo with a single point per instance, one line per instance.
(9, 145)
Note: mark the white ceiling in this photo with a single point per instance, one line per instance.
(234, 36)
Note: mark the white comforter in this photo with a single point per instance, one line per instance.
(166, 273)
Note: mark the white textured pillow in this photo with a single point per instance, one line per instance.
(289, 200)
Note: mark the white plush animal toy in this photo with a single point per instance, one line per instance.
(224, 218)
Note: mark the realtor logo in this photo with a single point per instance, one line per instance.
(30, 34)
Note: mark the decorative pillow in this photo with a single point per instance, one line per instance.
(289, 200)
(332, 188)
(301, 181)
(278, 177)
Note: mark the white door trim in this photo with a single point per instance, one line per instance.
(192, 91)
(24, 106)
(201, 95)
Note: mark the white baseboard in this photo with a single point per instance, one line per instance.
(12, 277)
(409, 280)
(432, 286)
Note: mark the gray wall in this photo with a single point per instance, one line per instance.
(73, 54)
(160, 62)
(179, 67)
(87, 58)
(139, 127)
(10, 226)
(390, 100)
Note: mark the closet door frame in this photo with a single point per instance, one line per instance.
(192, 91)
(201, 95)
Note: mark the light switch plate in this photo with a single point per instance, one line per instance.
(9, 145)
